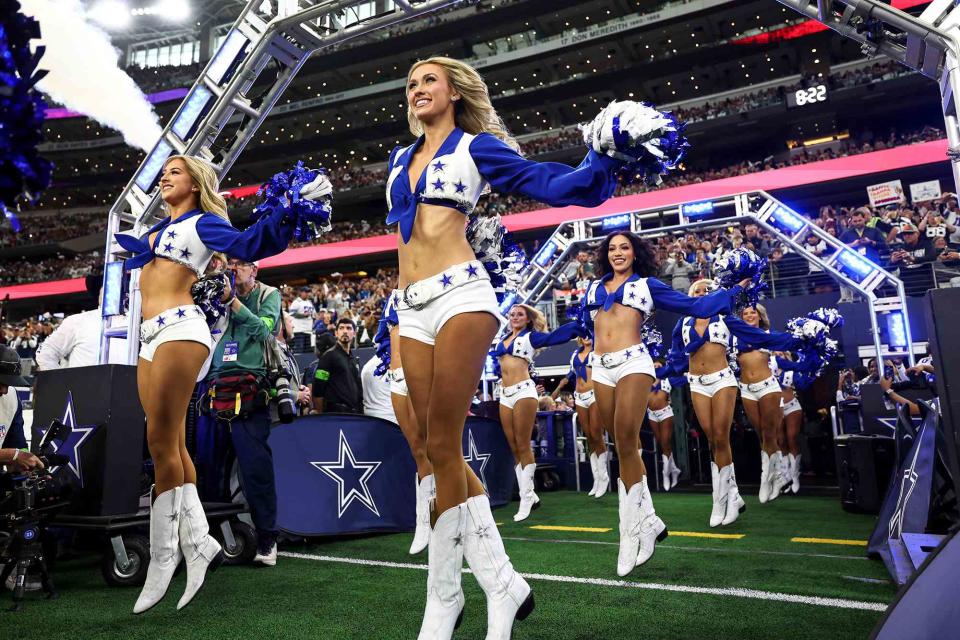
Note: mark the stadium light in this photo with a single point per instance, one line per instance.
(193, 108)
(896, 330)
(111, 14)
(545, 255)
(786, 220)
(855, 265)
(152, 166)
(112, 289)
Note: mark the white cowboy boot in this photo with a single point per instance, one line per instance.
(766, 470)
(674, 472)
(776, 476)
(200, 550)
(444, 610)
(164, 547)
(596, 474)
(528, 497)
(784, 473)
(426, 489)
(795, 473)
(509, 597)
(735, 504)
(665, 472)
(630, 503)
(652, 528)
(719, 497)
(604, 475)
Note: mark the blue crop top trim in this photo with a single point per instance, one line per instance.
(578, 367)
(527, 342)
(192, 239)
(647, 294)
(466, 164)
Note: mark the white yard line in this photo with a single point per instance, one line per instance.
(836, 603)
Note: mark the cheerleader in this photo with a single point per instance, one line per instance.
(388, 349)
(702, 345)
(761, 395)
(175, 342)
(588, 413)
(447, 307)
(518, 393)
(623, 372)
(792, 378)
(660, 416)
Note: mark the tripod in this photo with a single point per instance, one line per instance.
(24, 552)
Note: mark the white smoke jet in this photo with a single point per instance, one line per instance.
(84, 75)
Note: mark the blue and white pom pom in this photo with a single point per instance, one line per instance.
(494, 247)
(738, 265)
(652, 339)
(816, 336)
(207, 294)
(650, 142)
(828, 316)
(23, 173)
(305, 196)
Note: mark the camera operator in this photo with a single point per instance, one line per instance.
(238, 369)
(336, 383)
(12, 439)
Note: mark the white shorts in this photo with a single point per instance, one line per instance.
(187, 323)
(659, 415)
(791, 407)
(423, 307)
(756, 390)
(610, 368)
(510, 395)
(398, 384)
(708, 384)
(584, 400)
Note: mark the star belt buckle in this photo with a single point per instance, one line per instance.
(406, 298)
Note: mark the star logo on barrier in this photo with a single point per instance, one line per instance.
(908, 481)
(348, 471)
(477, 461)
(78, 435)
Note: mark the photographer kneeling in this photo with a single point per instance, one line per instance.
(240, 391)
(13, 441)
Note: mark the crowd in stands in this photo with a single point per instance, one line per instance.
(48, 229)
(14, 271)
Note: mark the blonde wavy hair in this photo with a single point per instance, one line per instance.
(204, 177)
(535, 319)
(762, 312)
(703, 281)
(474, 112)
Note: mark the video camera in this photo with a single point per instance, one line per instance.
(27, 499)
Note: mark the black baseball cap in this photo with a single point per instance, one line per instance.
(11, 368)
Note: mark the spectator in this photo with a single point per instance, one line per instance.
(13, 441)
(868, 242)
(336, 384)
(678, 271)
(303, 312)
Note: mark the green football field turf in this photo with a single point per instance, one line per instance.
(761, 586)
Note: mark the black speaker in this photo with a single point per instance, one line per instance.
(105, 449)
(943, 318)
(864, 468)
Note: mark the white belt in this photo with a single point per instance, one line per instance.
(149, 329)
(754, 387)
(514, 389)
(710, 378)
(617, 358)
(417, 295)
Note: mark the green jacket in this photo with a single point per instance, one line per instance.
(247, 327)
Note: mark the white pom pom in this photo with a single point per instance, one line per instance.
(318, 188)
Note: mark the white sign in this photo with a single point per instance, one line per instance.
(886, 193)
(923, 191)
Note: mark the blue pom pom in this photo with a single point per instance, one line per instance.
(828, 316)
(282, 194)
(23, 173)
(653, 340)
(741, 264)
(646, 165)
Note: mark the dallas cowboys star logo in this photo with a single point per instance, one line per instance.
(343, 471)
(476, 460)
(172, 235)
(168, 247)
(184, 253)
(459, 186)
(438, 165)
(643, 301)
(181, 313)
(472, 271)
(78, 435)
(446, 281)
(627, 353)
(907, 484)
(161, 321)
(438, 185)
